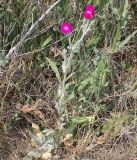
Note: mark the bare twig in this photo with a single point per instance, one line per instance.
(13, 51)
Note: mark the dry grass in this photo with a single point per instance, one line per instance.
(28, 85)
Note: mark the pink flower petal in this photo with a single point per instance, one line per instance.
(90, 8)
(66, 28)
(89, 12)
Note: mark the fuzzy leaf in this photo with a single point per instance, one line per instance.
(125, 9)
(123, 43)
(54, 68)
(82, 120)
(46, 41)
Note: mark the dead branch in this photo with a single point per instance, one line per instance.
(14, 50)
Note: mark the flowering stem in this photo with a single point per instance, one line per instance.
(66, 69)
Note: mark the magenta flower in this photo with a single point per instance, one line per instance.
(90, 7)
(66, 28)
(89, 12)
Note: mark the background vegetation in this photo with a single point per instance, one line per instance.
(97, 116)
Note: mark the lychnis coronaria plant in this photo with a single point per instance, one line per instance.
(66, 28)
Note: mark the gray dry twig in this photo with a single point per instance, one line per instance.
(14, 50)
